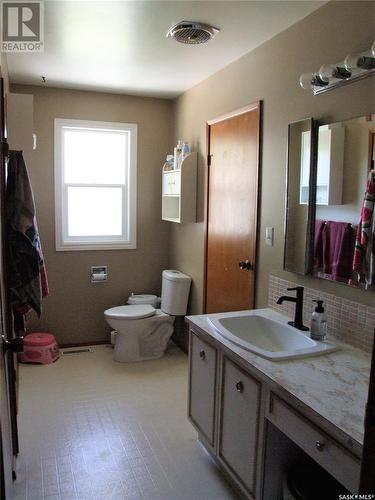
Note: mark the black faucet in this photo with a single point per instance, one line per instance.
(298, 299)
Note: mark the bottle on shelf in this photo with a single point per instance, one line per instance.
(169, 163)
(185, 150)
(177, 154)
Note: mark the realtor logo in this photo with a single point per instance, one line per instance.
(22, 26)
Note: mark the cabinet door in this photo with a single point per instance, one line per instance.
(171, 183)
(239, 424)
(202, 378)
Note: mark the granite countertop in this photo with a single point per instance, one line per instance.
(333, 385)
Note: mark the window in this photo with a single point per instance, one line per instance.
(95, 185)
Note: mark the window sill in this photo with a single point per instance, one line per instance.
(68, 247)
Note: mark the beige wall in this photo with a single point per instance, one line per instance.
(271, 73)
(20, 124)
(74, 309)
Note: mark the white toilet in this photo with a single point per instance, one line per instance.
(142, 330)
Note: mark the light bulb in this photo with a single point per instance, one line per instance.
(361, 62)
(351, 62)
(310, 80)
(306, 81)
(328, 71)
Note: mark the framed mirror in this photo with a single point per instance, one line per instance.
(345, 158)
(299, 220)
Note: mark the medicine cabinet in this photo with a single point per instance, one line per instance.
(328, 170)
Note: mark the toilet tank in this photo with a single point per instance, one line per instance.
(175, 292)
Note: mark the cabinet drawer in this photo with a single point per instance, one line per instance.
(339, 462)
(202, 391)
(171, 182)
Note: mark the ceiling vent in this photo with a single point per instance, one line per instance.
(192, 33)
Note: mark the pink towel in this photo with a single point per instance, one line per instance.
(364, 255)
(338, 249)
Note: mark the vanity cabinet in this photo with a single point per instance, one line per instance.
(202, 387)
(224, 406)
(253, 429)
(239, 423)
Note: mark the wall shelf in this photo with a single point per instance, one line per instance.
(179, 192)
(330, 165)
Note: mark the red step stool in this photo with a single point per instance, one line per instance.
(39, 348)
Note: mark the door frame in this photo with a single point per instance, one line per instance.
(257, 105)
(371, 148)
(8, 417)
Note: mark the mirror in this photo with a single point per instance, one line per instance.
(345, 156)
(299, 227)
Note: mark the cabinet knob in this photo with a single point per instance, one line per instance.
(239, 386)
(319, 445)
(202, 355)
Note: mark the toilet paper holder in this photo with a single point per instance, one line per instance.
(98, 274)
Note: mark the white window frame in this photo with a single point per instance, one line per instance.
(128, 239)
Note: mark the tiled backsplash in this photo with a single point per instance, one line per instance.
(348, 321)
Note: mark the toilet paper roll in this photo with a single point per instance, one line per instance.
(98, 277)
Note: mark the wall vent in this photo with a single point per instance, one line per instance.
(79, 350)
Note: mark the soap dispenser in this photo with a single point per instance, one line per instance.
(318, 327)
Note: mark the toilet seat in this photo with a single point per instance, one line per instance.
(131, 312)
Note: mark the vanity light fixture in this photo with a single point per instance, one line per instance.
(330, 76)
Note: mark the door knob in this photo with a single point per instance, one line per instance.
(245, 264)
(13, 345)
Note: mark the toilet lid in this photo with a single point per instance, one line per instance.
(131, 312)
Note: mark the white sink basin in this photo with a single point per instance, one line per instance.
(267, 333)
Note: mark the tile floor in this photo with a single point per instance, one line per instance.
(91, 428)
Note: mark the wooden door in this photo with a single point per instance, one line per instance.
(202, 386)
(232, 211)
(239, 424)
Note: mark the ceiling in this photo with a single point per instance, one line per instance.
(121, 47)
